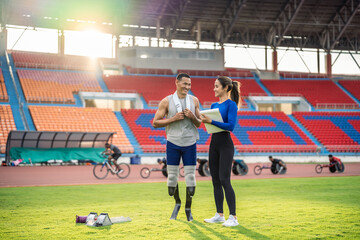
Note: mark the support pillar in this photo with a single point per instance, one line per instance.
(266, 60)
(3, 41)
(158, 32)
(116, 47)
(318, 60)
(328, 65)
(198, 34)
(61, 42)
(274, 60)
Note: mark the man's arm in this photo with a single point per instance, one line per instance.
(195, 119)
(159, 120)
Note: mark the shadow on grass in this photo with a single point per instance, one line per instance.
(242, 231)
(198, 234)
(249, 233)
(102, 228)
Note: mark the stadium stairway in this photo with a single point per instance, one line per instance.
(348, 93)
(78, 102)
(101, 80)
(128, 133)
(28, 119)
(257, 79)
(312, 138)
(13, 99)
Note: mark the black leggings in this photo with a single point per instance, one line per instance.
(221, 154)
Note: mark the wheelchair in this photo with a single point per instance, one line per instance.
(240, 167)
(274, 168)
(333, 167)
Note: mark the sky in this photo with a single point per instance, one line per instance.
(95, 44)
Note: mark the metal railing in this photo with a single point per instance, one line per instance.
(21, 106)
(337, 106)
(40, 99)
(244, 149)
(55, 66)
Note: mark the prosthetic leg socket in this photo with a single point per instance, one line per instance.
(190, 191)
(175, 193)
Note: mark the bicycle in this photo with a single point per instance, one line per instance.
(101, 170)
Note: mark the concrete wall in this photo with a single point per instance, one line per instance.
(172, 58)
(265, 159)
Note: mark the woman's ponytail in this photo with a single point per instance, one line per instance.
(235, 92)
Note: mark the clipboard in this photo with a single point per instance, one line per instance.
(213, 114)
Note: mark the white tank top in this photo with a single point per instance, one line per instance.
(182, 133)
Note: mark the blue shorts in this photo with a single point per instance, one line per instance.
(174, 153)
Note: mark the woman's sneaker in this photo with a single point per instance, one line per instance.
(231, 222)
(215, 219)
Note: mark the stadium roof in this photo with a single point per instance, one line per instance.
(324, 24)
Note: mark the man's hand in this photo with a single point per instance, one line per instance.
(178, 116)
(188, 113)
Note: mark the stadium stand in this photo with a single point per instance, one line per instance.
(269, 131)
(231, 72)
(203, 89)
(255, 132)
(150, 139)
(157, 71)
(6, 125)
(302, 75)
(3, 93)
(54, 86)
(49, 118)
(52, 61)
(152, 88)
(316, 92)
(153, 140)
(337, 131)
(353, 86)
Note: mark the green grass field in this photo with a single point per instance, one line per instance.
(289, 208)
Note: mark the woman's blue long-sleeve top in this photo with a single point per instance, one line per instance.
(228, 111)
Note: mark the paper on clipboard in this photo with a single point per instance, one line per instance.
(213, 114)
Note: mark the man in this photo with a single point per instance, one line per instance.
(114, 154)
(334, 161)
(180, 115)
(275, 161)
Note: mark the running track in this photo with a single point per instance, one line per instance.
(82, 175)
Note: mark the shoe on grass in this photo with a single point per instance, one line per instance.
(217, 218)
(231, 222)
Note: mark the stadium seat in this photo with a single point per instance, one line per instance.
(55, 86)
(314, 91)
(255, 132)
(269, 131)
(52, 61)
(203, 89)
(150, 87)
(3, 93)
(337, 131)
(353, 86)
(6, 125)
(230, 72)
(49, 118)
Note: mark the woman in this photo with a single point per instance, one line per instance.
(221, 150)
